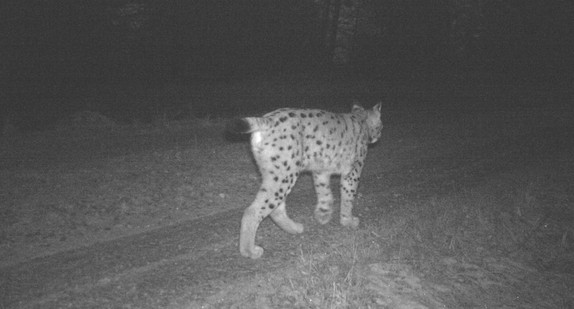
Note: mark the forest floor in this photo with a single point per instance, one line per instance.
(461, 206)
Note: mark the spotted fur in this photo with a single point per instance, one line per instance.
(285, 143)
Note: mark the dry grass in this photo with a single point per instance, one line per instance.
(505, 244)
(85, 184)
(502, 244)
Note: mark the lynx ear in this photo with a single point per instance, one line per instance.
(377, 108)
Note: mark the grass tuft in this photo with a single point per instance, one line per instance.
(500, 244)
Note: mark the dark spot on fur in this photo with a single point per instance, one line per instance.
(283, 119)
(291, 114)
(319, 143)
(271, 205)
(276, 179)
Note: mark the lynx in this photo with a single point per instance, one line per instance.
(285, 143)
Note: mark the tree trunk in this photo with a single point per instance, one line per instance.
(335, 9)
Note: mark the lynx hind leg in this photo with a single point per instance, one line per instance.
(269, 200)
(349, 184)
(281, 218)
(252, 217)
(324, 208)
(249, 224)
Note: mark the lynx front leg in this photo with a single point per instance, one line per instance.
(324, 208)
(349, 184)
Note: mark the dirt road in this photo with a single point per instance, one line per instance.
(184, 262)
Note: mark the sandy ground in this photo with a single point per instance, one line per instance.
(128, 217)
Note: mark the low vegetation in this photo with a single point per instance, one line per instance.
(505, 244)
(459, 208)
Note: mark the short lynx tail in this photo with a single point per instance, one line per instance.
(248, 125)
(240, 125)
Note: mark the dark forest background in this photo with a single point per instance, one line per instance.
(51, 51)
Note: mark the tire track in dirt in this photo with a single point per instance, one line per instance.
(143, 270)
(149, 269)
(47, 280)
